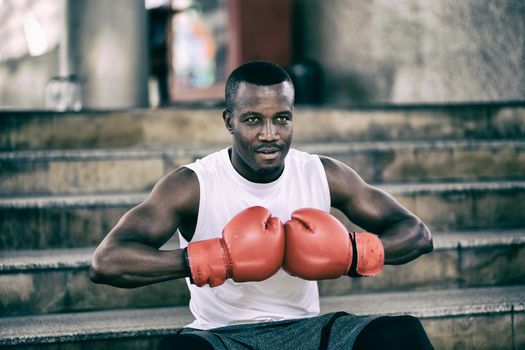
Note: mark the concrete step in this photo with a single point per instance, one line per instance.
(429, 161)
(125, 170)
(54, 281)
(459, 260)
(89, 171)
(82, 220)
(477, 318)
(197, 127)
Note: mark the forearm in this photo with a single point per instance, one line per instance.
(406, 240)
(133, 264)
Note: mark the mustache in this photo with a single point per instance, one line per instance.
(269, 146)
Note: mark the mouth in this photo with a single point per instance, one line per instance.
(268, 152)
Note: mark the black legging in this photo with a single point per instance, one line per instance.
(393, 333)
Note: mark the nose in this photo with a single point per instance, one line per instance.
(268, 132)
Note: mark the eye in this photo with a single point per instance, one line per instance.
(282, 118)
(252, 120)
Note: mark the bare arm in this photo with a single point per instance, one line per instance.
(403, 235)
(129, 256)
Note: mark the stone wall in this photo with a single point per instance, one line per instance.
(415, 51)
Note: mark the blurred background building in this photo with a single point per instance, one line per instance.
(342, 51)
(424, 99)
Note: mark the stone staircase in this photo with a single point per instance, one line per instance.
(66, 178)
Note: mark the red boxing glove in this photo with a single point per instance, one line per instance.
(251, 249)
(318, 246)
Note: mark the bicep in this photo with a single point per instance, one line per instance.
(366, 206)
(145, 224)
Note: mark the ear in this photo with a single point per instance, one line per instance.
(227, 117)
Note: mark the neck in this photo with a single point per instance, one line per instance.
(257, 176)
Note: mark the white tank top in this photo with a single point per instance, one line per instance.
(224, 193)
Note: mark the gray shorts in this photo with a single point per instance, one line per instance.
(330, 331)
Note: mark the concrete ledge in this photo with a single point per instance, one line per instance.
(92, 325)
(478, 239)
(317, 148)
(79, 258)
(46, 259)
(161, 321)
(80, 201)
(456, 187)
(56, 280)
(50, 259)
(82, 220)
(162, 127)
(381, 146)
(427, 304)
(128, 199)
(131, 170)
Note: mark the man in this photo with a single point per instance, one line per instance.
(252, 279)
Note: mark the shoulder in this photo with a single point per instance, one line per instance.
(336, 169)
(177, 180)
(178, 190)
(343, 181)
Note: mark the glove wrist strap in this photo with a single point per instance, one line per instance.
(352, 271)
(186, 265)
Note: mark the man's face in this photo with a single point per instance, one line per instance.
(261, 125)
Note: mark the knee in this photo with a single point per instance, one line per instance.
(393, 332)
(405, 325)
(409, 321)
(183, 341)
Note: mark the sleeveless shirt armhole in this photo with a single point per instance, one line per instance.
(202, 196)
(324, 181)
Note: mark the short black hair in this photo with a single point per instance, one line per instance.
(261, 73)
